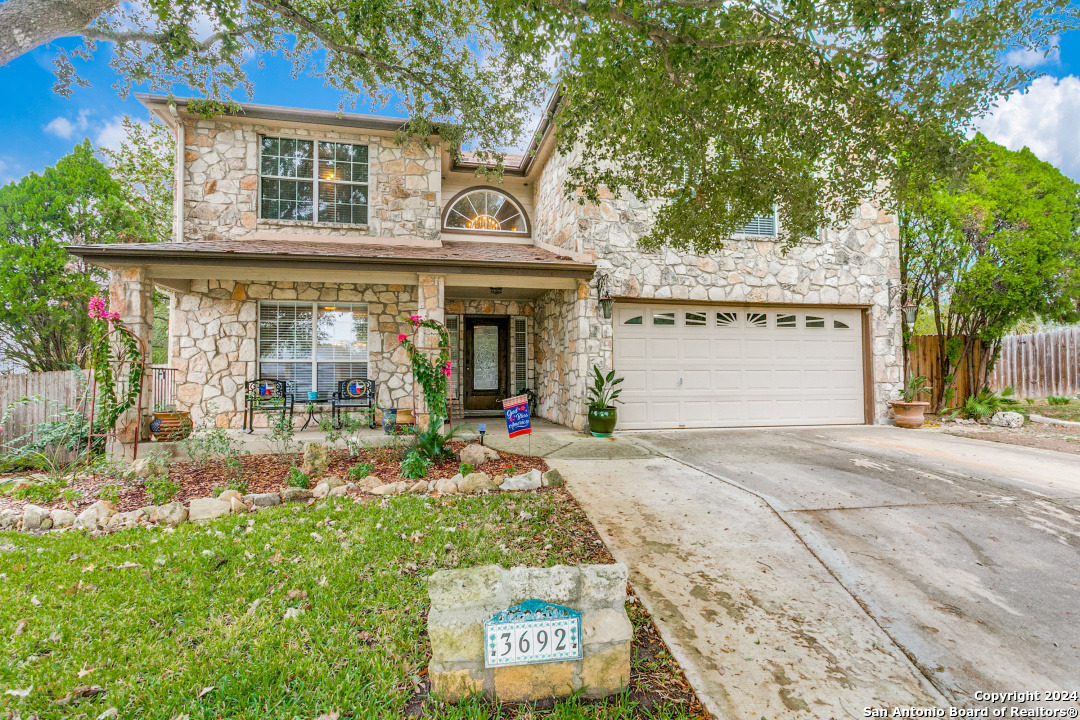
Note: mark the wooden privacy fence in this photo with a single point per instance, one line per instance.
(1039, 365)
(65, 387)
(924, 359)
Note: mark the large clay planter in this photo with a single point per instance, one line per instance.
(602, 421)
(909, 414)
(170, 426)
(405, 416)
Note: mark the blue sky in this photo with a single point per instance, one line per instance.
(40, 126)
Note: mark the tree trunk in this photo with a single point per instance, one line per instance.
(26, 24)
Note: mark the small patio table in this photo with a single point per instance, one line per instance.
(320, 405)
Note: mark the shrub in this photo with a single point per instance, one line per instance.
(1056, 400)
(161, 490)
(298, 478)
(987, 403)
(414, 466)
(361, 470)
(110, 491)
(434, 445)
(466, 469)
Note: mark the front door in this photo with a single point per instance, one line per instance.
(486, 360)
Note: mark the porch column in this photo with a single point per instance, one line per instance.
(430, 300)
(131, 293)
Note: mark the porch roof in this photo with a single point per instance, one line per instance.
(474, 258)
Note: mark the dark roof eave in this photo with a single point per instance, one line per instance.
(331, 262)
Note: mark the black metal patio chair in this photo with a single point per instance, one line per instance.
(266, 395)
(352, 393)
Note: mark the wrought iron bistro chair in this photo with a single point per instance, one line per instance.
(266, 395)
(352, 393)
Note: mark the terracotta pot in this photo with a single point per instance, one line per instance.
(909, 414)
(170, 426)
(602, 421)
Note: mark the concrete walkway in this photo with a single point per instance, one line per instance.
(761, 627)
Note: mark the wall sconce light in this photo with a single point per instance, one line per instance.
(911, 310)
(606, 301)
(495, 290)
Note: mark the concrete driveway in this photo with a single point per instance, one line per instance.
(889, 566)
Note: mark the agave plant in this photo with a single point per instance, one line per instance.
(603, 393)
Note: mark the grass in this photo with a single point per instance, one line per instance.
(201, 627)
(1061, 412)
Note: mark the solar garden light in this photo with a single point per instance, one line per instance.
(482, 427)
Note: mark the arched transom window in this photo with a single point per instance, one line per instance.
(485, 210)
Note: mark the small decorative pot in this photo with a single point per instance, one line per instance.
(170, 426)
(602, 421)
(312, 395)
(389, 421)
(909, 414)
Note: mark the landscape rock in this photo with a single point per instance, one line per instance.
(263, 499)
(36, 518)
(145, 468)
(339, 491)
(172, 514)
(1007, 419)
(236, 505)
(8, 518)
(60, 518)
(553, 478)
(447, 486)
(230, 494)
(124, 519)
(419, 486)
(207, 509)
(294, 494)
(389, 489)
(528, 481)
(475, 482)
(97, 513)
(321, 490)
(498, 479)
(316, 459)
(333, 482)
(477, 454)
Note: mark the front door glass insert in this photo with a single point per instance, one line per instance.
(486, 357)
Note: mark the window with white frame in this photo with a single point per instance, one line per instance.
(762, 225)
(312, 345)
(292, 178)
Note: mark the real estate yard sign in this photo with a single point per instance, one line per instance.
(516, 410)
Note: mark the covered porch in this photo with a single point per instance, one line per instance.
(316, 313)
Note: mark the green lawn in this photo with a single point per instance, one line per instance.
(199, 627)
(1061, 412)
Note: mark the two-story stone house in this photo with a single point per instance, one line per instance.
(301, 238)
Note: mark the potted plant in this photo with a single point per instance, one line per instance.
(909, 411)
(602, 398)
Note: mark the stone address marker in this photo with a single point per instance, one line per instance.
(463, 600)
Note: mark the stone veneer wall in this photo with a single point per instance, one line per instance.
(567, 344)
(489, 307)
(461, 600)
(221, 182)
(212, 334)
(850, 266)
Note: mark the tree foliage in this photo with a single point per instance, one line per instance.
(723, 108)
(45, 291)
(144, 165)
(999, 248)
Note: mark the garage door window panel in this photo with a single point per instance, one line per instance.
(758, 320)
(727, 319)
(813, 321)
(696, 319)
(786, 321)
(663, 318)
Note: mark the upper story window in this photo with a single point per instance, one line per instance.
(292, 177)
(485, 210)
(762, 225)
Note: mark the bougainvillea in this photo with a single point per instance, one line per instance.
(117, 363)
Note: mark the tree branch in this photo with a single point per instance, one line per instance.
(26, 24)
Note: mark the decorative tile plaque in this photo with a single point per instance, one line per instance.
(532, 632)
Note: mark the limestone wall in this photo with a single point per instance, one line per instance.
(567, 344)
(221, 183)
(461, 600)
(212, 335)
(850, 266)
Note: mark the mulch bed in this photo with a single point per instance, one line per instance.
(268, 473)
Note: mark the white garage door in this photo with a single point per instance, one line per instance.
(730, 366)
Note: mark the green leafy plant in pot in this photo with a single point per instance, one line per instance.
(909, 411)
(602, 398)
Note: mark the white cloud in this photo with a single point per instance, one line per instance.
(1029, 59)
(111, 134)
(65, 128)
(1042, 118)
